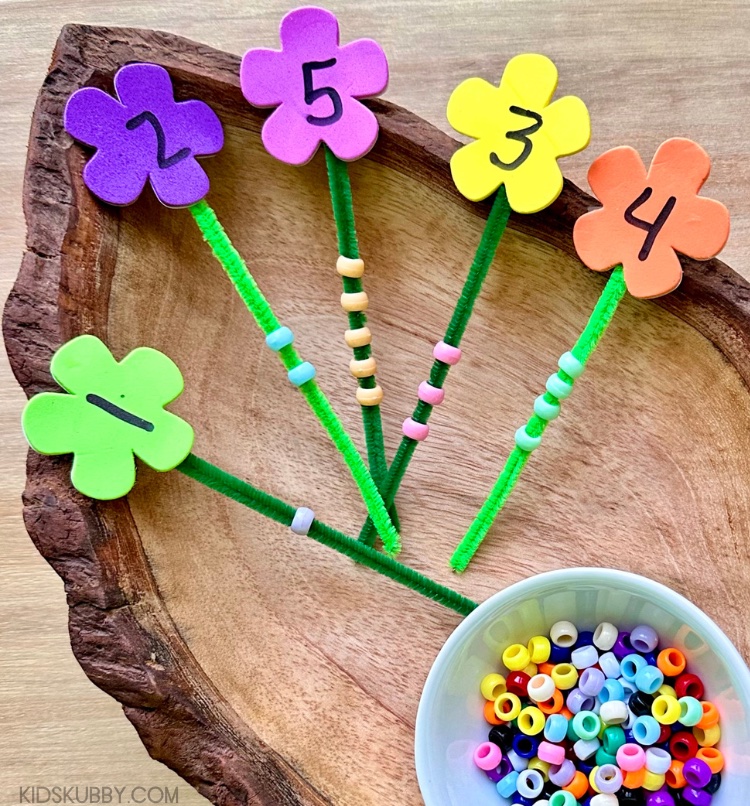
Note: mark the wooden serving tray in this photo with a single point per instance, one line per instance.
(265, 668)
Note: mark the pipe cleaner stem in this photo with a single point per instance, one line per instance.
(346, 232)
(230, 486)
(485, 254)
(596, 326)
(252, 296)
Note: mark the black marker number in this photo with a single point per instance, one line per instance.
(121, 414)
(522, 136)
(312, 94)
(161, 141)
(652, 229)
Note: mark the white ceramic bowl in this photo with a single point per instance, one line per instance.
(450, 723)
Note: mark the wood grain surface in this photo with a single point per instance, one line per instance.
(646, 70)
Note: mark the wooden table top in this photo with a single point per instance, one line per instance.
(646, 70)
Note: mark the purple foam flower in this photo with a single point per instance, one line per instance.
(316, 84)
(144, 134)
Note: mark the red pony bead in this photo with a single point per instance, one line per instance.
(690, 685)
(518, 683)
(683, 746)
(666, 732)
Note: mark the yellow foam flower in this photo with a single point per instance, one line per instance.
(518, 134)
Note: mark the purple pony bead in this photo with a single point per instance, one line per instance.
(144, 134)
(316, 84)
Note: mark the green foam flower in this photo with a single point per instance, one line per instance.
(113, 412)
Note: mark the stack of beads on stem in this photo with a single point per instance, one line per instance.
(603, 718)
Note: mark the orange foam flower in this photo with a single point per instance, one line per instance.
(647, 218)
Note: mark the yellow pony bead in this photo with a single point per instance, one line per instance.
(539, 649)
(492, 686)
(531, 670)
(592, 780)
(514, 709)
(652, 781)
(565, 676)
(516, 657)
(518, 134)
(670, 691)
(540, 766)
(531, 721)
(666, 710)
(707, 737)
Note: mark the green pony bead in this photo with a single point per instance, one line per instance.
(525, 441)
(612, 740)
(603, 757)
(544, 410)
(558, 387)
(571, 365)
(691, 711)
(586, 725)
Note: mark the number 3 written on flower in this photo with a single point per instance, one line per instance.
(522, 135)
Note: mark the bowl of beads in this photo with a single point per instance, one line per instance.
(586, 686)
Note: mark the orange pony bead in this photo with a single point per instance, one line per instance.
(554, 705)
(490, 715)
(546, 668)
(671, 661)
(710, 716)
(634, 779)
(675, 777)
(579, 786)
(712, 757)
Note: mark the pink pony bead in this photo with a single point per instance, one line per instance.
(415, 430)
(631, 758)
(446, 353)
(430, 394)
(488, 756)
(553, 753)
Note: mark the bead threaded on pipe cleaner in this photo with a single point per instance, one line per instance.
(256, 303)
(369, 394)
(491, 235)
(230, 486)
(559, 387)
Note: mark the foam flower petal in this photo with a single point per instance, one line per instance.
(186, 183)
(91, 114)
(617, 176)
(592, 238)
(531, 78)
(704, 229)
(309, 31)
(531, 189)
(567, 126)
(260, 74)
(104, 178)
(64, 410)
(287, 137)
(472, 171)
(640, 282)
(339, 137)
(105, 474)
(472, 108)
(680, 165)
(365, 67)
(74, 364)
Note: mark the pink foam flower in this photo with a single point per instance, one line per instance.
(316, 85)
